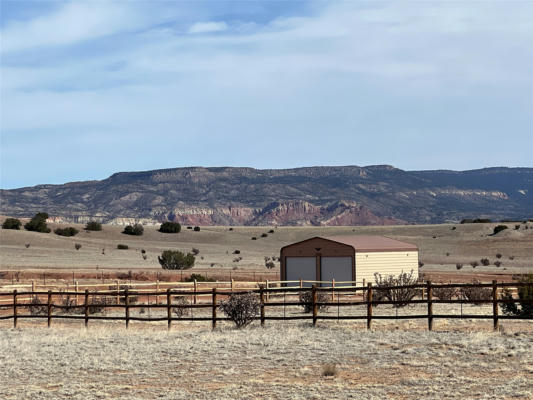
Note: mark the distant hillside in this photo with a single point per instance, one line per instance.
(350, 195)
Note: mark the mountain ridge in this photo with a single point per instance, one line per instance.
(320, 195)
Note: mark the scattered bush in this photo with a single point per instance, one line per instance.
(499, 228)
(525, 299)
(444, 293)
(400, 296)
(12, 223)
(447, 254)
(254, 238)
(498, 255)
(175, 259)
(474, 264)
(136, 230)
(196, 229)
(458, 265)
(264, 234)
(241, 308)
(189, 227)
(420, 264)
(306, 298)
(143, 251)
(485, 261)
(36, 307)
(230, 229)
(236, 252)
(270, 264)
(145, 256)
(476, 294)
(516, 227)
(69, 231)
(170, 227)
(271, 231)
(27, 245)
(38, 223)
(237, 259)
(497, 263)
(77, 246)
(180, 306)
(198, 278)
(329, 370)
(93, 226)
(454, 228)
(195, 251)
(122, 246)
(511, 257)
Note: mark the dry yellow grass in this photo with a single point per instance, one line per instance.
(441, 247)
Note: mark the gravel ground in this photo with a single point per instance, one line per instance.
(280, 361)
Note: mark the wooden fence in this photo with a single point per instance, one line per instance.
(346, 296)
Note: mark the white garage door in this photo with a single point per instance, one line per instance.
(300, 268)
(338, 268)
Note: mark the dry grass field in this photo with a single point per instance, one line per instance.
(275, 362)
(441, 247)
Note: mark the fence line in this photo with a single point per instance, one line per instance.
(123, 299)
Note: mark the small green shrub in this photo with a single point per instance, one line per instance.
(270, 264)
(195, 251)
(458, 265)
(170, 227)
(12, 223)
(236, 251)
(264, 234)
(271, 231)
(474, 264)
(136, 230)
(93, 226)
(497, 263)
(485, 261)
(196, 229)
(122, 246)
(69, 231)
(77, 246)
(38, 223)
(525, 299)
(445, 293)
(254, 238)
(175, 259)
(499, 228)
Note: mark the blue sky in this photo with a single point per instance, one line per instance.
(89, 88)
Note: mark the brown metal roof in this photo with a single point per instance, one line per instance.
(373, 243)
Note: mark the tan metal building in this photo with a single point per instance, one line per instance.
(347, 258)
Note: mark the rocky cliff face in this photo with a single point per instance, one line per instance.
(304, 196)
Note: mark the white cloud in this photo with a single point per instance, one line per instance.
(205, 27)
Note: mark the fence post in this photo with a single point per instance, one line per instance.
(267, 284)
(232, 282)
(33, 285)
(49, 304)
(118, 292)
(315, 307)
(429, 294)
(369, 306)
(15, 308)
(76, 290)
(86, 307)
(169, 309)
(495, 305)
(214, 305)
(301, 283)
(262, 300)
(127, 304)
(333, 289)
(195, 286)
(157, 290)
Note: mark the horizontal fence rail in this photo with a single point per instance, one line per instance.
(83, 305)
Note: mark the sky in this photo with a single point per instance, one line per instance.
(90, 88)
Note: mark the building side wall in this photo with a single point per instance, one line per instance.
(385, 263)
